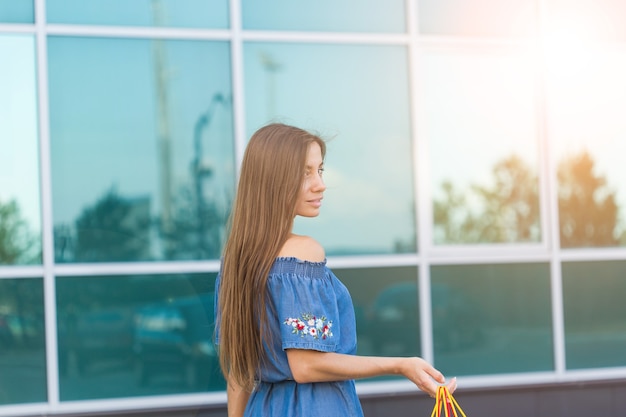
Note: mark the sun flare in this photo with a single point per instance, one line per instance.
(573, 40)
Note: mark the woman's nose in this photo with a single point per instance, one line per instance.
(319, 184)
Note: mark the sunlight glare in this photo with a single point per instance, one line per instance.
(572, 41)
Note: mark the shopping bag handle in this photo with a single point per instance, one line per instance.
(446, 401)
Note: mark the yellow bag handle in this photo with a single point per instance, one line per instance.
(444, 397)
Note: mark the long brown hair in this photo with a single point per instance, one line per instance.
(271, 176)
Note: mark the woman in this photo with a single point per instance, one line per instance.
(285, 323)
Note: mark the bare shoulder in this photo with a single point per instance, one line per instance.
(303, 247)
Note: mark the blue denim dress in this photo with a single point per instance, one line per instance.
(308, 308)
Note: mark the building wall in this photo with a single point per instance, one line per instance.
(475, 204)
(567, 399)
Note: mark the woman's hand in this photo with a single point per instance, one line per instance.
(452, 385)
(425, 376)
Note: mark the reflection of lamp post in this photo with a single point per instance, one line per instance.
(200, 171)
(163, 128)
(271, 66)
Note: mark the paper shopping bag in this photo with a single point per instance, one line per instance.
(446, 405)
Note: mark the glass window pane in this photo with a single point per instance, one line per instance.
(17, 11)
(478, 114)
(20, 218)
(141, 148)
(387, 310)
(587, 97)
(595, 314)
(477, 17)
(585, 20)
(325, 15)
(491, 319)
(170, 13)
(22, 341)
(125, 336)
(336, 90)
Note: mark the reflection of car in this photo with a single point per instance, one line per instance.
(6, 335)
(457, 322)
(176, 338)
(393, 319)
(101, 336)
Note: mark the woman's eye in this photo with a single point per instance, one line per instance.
(308, 172)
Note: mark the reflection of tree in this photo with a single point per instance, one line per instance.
(191, 221)
(446, 214)
(588, 212)
(197, 227)
(508, 209)
(512, 204)
(17, 243)
(117, 229)
(114, 230)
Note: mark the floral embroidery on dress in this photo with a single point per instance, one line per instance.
(309, 325)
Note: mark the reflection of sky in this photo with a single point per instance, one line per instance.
(104, 117)
(19, 163)
(17, 11)
(587, 110)
(325, 15)
(597, 19)
(178, 13)
(339, 91)
(477, 17)
(476, 110)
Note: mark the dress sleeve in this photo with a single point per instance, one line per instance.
(306, 310)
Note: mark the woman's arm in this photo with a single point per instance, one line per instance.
(314, 366)
(237, 399)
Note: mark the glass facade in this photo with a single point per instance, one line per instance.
(481, 128)
(594, 314)
(20, 214)
(386, 310)
(324, 16)
(121, 336)
(490, 319)
(513, 18)
(475, 191)
(211, 14)
(17, 11)
(336, 90)
(22, 341)
(161, 157)
(587, 97)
